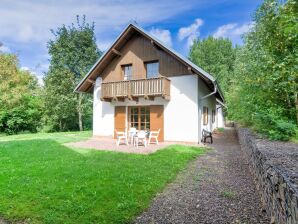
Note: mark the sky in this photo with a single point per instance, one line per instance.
(25, 25)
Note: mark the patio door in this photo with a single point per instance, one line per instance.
(147, 118)
(139, 117)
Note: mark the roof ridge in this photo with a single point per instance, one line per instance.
(154, 38)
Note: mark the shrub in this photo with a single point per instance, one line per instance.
(273, 126)
(25, 116)
(283, 131)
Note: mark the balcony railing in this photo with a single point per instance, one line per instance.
(133, 89)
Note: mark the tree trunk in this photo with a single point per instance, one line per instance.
(79, 109)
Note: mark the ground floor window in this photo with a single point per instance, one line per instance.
(205, 115)
(213, 116)
(139, 117)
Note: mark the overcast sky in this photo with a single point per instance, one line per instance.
(25, 24)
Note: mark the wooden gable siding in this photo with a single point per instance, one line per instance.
(137, 51)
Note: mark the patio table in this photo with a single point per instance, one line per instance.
(135, 137)
(131, 134)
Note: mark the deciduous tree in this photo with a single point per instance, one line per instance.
(20, 99)
(215, 56)
(73, 51)
(265, 89)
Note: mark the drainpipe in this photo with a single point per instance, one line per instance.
(210, 94)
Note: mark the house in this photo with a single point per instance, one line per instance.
(139, 82)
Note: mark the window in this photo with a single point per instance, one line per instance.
(139, 118)
(205, 115)
(213, 116)
(152, 69)
(127, 71)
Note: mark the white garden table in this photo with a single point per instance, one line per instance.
(140, 135)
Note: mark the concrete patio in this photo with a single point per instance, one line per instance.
(109, 144)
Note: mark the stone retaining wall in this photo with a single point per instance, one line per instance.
(275, 169)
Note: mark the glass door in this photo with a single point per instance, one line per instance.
(139, 118)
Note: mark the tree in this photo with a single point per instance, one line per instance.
(217, 57)
(73, 51)
(265, 92)
(19, 97)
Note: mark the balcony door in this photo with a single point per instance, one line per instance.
(139, 117)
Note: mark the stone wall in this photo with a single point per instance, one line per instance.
(275, 169)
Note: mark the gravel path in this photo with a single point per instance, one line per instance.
(216, 188)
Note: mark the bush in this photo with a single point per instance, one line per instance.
(275, 128)
(283, 131)
(23, 117)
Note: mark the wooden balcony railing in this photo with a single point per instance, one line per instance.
(133, 89)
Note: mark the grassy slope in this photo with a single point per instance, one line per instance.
(43, 181)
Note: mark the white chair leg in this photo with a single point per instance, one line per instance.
(156, 141)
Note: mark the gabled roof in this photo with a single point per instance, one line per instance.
(108, 55)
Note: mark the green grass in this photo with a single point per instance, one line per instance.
(43, 181)
(228, 194)
(61, 137)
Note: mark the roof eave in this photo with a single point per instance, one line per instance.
(196, 68)
(101, 57)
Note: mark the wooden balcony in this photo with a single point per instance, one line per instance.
(133, 89)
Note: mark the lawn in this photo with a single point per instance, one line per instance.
(61, 137)
(43, 181)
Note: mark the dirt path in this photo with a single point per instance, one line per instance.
(216, 188)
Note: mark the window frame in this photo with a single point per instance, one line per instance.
(205, 115)
(140, 114)
(152, 62)
(123, 71)
(213, 116)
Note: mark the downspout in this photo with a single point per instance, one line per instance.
(210, 94)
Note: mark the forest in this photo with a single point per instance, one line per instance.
(259, 78)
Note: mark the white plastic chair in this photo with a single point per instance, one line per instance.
(121, 136)
(141, 137)
(153, 135)
(131, 133)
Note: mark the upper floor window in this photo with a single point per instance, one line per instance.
(127, 71)
(152, 69)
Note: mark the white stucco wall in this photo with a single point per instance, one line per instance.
(182, 114)
(103, 113)
(220, 121)
(209, 102)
